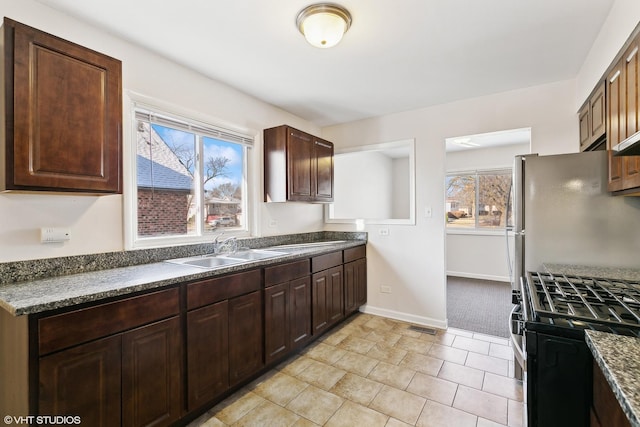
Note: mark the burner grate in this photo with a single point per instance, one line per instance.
(600, 300)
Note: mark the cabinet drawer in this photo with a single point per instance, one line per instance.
(68, 329)
(286, 272)
(353, 254)
(210, 291)
(326, 261)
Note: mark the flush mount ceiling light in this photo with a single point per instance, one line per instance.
(323, 24)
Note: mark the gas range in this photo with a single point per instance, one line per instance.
(548, 324)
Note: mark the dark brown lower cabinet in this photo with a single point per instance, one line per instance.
(277, 325)
(152, 374)
(287, 308)
(245, 336)
(300, 311)
(208, 353)
(287, 317)
(355, 285)
(605, 409)
(135, 375)
(118, 363)
(224, 335)
(328, 298)
(85, 381)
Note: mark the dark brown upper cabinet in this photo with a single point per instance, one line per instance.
(62, 115)
(298, 167)
(592, 117)
(623, 118)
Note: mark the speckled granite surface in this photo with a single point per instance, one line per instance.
(591, 271)
(34, 286)
(619, 358)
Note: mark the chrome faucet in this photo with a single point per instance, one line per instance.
(230, 242)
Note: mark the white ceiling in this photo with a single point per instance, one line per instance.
(491, 139)
(398, 55)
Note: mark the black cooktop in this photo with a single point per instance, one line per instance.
(584, 301)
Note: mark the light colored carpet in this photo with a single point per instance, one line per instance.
(479, 305)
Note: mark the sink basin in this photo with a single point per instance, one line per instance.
(253, 254)
(223, 260)
(310, 244)
(206, 261)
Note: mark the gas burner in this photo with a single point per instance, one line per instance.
(580, 299)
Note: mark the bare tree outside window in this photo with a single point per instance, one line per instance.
(478, 199)
(170, 201)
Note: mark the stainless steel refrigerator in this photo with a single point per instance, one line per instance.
(563, 214)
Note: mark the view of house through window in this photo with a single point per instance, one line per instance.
(190, 178)
(478, 199)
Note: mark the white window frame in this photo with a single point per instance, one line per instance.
(199, 121)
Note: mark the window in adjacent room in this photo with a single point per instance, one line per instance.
(478, 199)
(190, 178)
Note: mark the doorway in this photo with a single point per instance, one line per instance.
(479, 248)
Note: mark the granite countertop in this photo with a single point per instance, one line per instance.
(48, 293)
(617, 356)
(630, 274)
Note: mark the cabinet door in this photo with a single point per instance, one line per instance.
(83, 381)
(277, 339)
(335, 295)
(152, 374)
(300, 156)
(245, 336)
(300, 311)
(207, 353)
(605, 409)
(592, 118)
(67, 114)
(584, 126)
(361, 282)
(355, 285)
(350, 281)
(323, 170)
(597, 114)
(319, 312)
(616, 126)
(631, 164)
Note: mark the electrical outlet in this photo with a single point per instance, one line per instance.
(385, 289)
(273, 223)
(54, 235)
(383, 232)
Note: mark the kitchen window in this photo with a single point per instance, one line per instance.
(478, 199)
(190, 179)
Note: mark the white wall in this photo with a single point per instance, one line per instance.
(411, 259)
(622, 19)
(96, 223)
(354, 200)
(480, 254)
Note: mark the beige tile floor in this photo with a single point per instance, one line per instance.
(373, 371)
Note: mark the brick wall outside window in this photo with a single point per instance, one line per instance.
(162, 212)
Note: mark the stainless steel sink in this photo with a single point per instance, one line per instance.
(206, 261)
(223, 260)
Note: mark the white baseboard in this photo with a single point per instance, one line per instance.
(411, 318)
(479, 276)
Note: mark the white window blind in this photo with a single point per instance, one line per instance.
(199, 128)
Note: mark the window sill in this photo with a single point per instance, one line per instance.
(478, 232)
